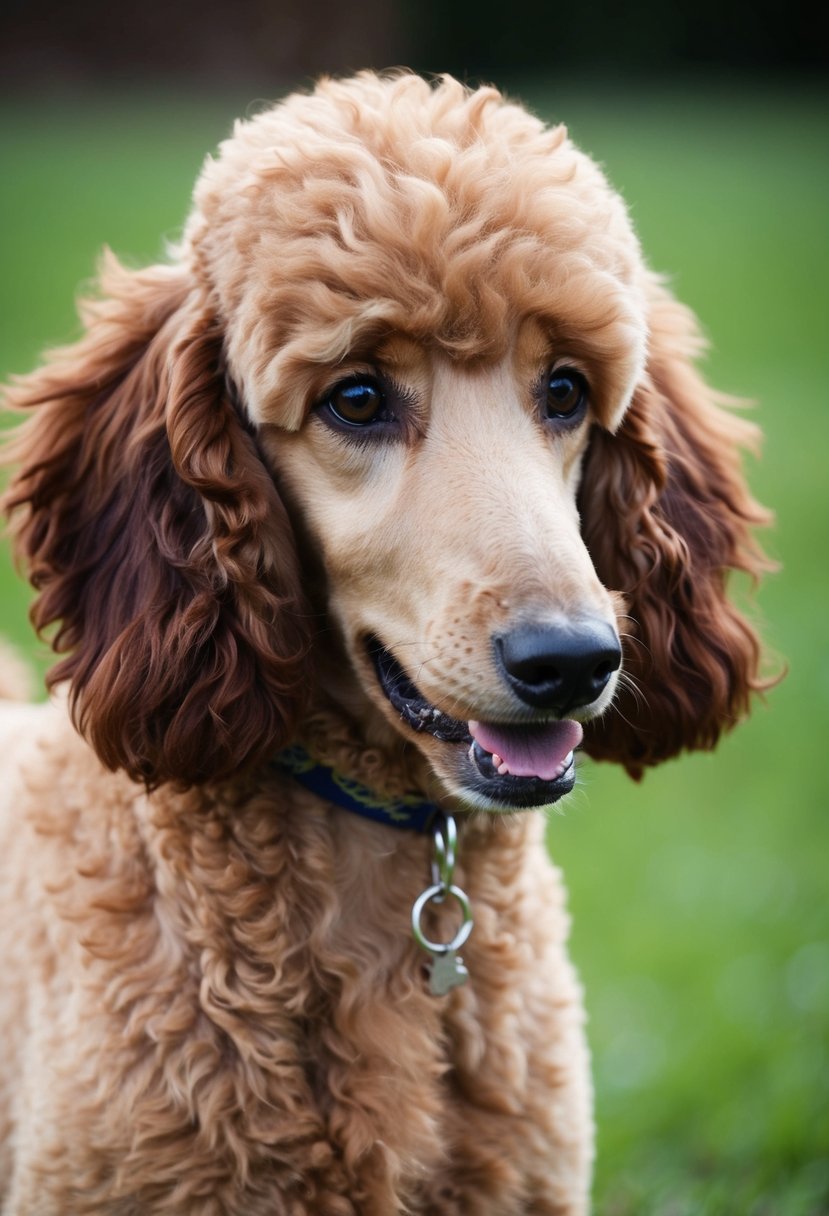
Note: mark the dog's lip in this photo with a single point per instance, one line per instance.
(410, 703)
(480, 773)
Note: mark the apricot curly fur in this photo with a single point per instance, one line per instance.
(211, 999)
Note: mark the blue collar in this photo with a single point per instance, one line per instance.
(405, 812)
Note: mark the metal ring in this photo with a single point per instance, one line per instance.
(441, 890)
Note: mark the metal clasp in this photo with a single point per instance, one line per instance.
(448, 970)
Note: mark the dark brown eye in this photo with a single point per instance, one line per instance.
(566, 398)
(358, 401)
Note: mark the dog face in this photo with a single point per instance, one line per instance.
(425, 379)
(442, 500)
(408, 343)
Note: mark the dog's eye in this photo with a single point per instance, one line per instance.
(566, 398)
(357, 401)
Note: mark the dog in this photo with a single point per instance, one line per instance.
(393, 489)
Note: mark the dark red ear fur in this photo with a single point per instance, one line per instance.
(666, 515)
(157, 541)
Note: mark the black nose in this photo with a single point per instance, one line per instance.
(559, 667)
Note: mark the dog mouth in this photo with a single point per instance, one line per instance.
(523, 765)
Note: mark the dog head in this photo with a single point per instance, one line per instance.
(412, 326)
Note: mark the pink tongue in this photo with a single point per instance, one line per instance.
(529, 751)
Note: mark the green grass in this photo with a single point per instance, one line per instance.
(701, 919)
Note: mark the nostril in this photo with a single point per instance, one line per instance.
(604, 671)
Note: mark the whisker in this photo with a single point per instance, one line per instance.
(624, 718)
(629, 682)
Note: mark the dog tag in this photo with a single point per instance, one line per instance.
(448, 972)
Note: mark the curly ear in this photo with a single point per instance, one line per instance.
(666, 515)
(156, 540)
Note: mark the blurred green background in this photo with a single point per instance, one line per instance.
(701, 925)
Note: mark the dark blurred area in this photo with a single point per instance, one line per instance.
(51, 45)
(192, 42)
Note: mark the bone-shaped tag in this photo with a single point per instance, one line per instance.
(448, 972)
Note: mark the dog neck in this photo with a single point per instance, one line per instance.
(407, 811)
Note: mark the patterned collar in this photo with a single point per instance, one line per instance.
(406, 812)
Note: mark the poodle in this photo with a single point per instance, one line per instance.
(392, 489)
